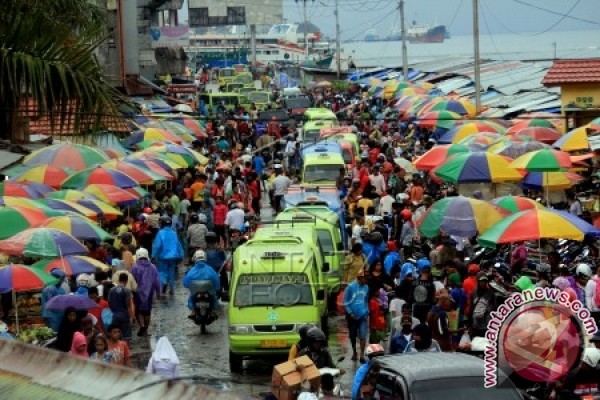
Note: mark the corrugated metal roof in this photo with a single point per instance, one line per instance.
(35, 368)
(451, 85)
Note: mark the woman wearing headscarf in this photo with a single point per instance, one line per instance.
(79, 345)
(70, 324)
(164, 361)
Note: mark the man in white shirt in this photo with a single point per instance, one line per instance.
(377, 180)
(357, 231)
(235, 217)
(385, 205)
(280, 184)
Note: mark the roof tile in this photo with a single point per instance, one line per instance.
(573, 71)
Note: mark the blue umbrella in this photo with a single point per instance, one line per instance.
(64, 301)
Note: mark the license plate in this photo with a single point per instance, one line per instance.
(273, 344)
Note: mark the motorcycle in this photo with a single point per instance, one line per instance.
(202, 291)
(336, 374)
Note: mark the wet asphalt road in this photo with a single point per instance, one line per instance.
(206, 356)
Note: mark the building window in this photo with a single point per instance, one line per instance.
(236, 15)
(198, 17)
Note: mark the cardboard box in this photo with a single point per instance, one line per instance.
(288, 377)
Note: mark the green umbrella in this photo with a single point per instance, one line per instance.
(17, 219)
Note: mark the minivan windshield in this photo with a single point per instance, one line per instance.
(326, 241)
(297, 102)
(322, 173)
(311, 135)
(289, 289)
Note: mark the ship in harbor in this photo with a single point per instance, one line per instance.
(414, 34)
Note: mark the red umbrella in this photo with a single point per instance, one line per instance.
(544, 135)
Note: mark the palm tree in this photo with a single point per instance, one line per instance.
(48, 65)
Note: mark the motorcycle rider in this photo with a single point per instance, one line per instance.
(302, 343)
(201, 271)
(360, 381)
(316, 350)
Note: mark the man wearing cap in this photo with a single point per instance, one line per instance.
(356, 298)
(280, 184)
(482, 304)
(53, 318)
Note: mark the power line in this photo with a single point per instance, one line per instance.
(456, 13)
(567, 15)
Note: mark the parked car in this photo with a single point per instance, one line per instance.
(433, 376)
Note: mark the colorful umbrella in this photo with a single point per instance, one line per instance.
(19, 189)
(151, 134)
(21, 278)
(31, 204)
(516, 149)
(483, 140)
(184, 159)
(99, 175)
(477, 167)
(64, 301)
(406, 165)
(532, 224)
(543, 160)
(179, 130)
(550, 180)
(155, 164)
(462, 131)
(111, 194)
(43, 243)
(145, 144)
(113, 154)
(69, 206)
(544, 135)
(16, 219)
(193, 125)
(438, 119)
(576, 139)
(71, 195)
(515, 204)
(78, 227)
(104, 210)
(459, 106)
(46, 174)
(142, 175)
(72, 265)
(73, 156)
(459, 216)
(530, 123)
(437, 155)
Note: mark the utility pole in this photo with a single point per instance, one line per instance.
(477, 58)
(404, 48)
(305, 28)
(338, 51)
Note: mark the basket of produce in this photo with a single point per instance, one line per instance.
(36, 336)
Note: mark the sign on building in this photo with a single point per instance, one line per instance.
(170, 36)
(206, 13)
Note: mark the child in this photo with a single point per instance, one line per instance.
(119, 348)
(377, 322)
(164, 361)
(79, 345)
(102, 354)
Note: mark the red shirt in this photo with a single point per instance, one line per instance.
(218, 191)
(253, 189)
(219, 214)
(376, 318)
(97, 312)
(373, 154)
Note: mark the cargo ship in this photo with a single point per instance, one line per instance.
(416, 34)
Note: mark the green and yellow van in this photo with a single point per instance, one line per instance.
(277, 285)
(311, 129)
(320, 114)
(233, 87)
(244, 78)
(321, 168)
(259, 98)
(226, 75)
(212, 100)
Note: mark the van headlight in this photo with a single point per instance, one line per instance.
(240, 329)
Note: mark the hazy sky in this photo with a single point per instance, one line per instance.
(496, 16)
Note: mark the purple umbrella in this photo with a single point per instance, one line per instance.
(64, 301)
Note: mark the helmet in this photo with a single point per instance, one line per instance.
(202, 218)
(199, 255)
(303, 330)
(542, 268)
(315, 335)
(165, 221)
(142, 253)
(58, 273)
(147, 210)
(583, 271)
(402, 197)
(591, 356)
(374, 350)
(406, 214)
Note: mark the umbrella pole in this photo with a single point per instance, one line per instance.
(14, 298)
(546, 189)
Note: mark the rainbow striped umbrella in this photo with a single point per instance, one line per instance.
(78, 227)
(22, 202)
(439, 119)
(462, 131)
(104, 210)
(184, 133)
(483, 140)
(516, 149)
(477, 167)
(66, 155)
(72, 265)
(459, 106)
(151, 134)
(515, 204)
(535, 224)
(576, 139)
(544, 135)
(46, 174)
(20, 189)
(71, 195)
(21, 278)
(142, 175)
(553, 180)
(156, 166)
(543, 160)
(69, 206)
(112, 195)
(437, 155)
(530, 123)
(17, 219)
(43, 243)
(99, 175)
(460, 216)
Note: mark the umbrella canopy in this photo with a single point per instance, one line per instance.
(176, 153)
(438, 119)
(21, 278)
(405, 164)
(462, 131)
(19, 189)
(66, 155)
(46, 174)
(64, 301)
(460, 216)
(71, 195)
(102, 209)
(111, 194)
(72, 265)
(113, 154)
(532, 224)
(151, 134)
(459, 106)
(79, 227)
(437, 155)
(515, 204)
(31, 204)
(544, 135)
(69, 206)
(99, 174)
(550, 180)
(42, 242)
(17, 219)
(516, 149)
(142, 175)
(530, 123)
(477, 167)
(155, 166)
(543, 160)
(576, 139)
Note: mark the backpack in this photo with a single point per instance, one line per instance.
(398, 344)
(480, 313)
(596, 292)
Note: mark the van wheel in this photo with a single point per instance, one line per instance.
(236, 363)
(325, 324)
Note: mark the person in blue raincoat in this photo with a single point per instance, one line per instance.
(373, 249)
(52, 318)
(168, 252)
(201, 271)
(393, 257)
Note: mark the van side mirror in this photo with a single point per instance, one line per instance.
(321, 294)
(325, 267)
